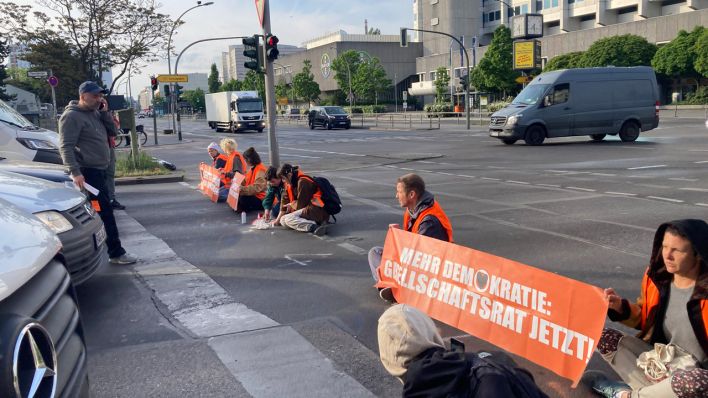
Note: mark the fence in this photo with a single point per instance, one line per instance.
(408, 120)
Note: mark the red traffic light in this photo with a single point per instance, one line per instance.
(153, 83)
(273, 40)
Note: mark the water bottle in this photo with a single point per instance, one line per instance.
(243, 217)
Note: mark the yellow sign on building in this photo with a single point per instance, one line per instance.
(527, 54)
(173, 78)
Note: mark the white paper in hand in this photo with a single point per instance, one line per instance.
(91, 189)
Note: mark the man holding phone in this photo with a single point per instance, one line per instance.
(84, 128)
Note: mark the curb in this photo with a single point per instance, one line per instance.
(160, 179)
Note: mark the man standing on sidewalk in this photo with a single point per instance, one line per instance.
(84, 128)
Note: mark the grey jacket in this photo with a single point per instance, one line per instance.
(430, 226)
(83, 138)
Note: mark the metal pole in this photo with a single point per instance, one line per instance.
(270, 93)
(395, 89)
(154, 115)
(55, 122)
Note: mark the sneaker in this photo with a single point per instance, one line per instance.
(386, 294)
(124, 259)
(604, 386)
(116, 205)
(320, 230)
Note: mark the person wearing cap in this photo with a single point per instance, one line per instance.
(218, 161)
(84, 131)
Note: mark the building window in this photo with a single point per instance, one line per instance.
(517, 11)
(432, 76)
(497, 15)
(525, 9)
(539, 5)
(627, 10)
(434, 21)
(586, 18)
(484, 18)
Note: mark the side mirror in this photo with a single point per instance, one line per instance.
(547, 101)
(233, 106)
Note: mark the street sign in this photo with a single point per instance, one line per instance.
(260, 7)
(37, 74)
(282, 101)
(527, 54)
(53, 81)
(173, 78)
(405, 95)
(523, 79)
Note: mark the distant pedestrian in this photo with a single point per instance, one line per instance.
(301, 207)
(84, 128)
(271, 202)
(422, 215)
(672, 309)
(253, 188)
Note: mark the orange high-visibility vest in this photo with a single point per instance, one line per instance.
(316, 198)
(213, 164)
(251, 178)
(230, 166)
(434, 210)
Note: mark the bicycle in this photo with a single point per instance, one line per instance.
(140, 133)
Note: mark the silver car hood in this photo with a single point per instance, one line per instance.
(33, 194)
(26, 246)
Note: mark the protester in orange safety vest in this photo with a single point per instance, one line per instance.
(301, 207)
(422, 215)
(253, 187)
(234, 160)
(218, 161)
(672, 309)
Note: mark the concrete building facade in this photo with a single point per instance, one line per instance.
(232, 61)
(397, 61)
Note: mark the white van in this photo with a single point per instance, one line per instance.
(587, 101)
(22, 140)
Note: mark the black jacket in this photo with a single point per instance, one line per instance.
(430, 226)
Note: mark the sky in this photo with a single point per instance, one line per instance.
(293, 21)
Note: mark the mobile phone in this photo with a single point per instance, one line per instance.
(101, 106)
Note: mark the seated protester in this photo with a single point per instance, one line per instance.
(422, 215)
(672, 309)
(234, 163)
(218, 161)
(253, 187)
(271, 202)
(301, 207)
(412, 350)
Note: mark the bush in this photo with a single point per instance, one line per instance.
(495, 106)
(374, 109)
(144, 166)
(700, 97)
(353, 109)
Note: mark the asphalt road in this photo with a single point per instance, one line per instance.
(578, 208)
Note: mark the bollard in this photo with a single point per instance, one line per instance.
(391, 121)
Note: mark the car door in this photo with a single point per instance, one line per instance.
(592, 101)
(322, 118)
(558, 113)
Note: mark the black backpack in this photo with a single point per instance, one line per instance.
(330, 197)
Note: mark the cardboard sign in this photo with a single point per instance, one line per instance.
(232, 199)
(549, 319)
(210, 181)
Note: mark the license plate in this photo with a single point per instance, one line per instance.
(100, 237)
(251, 124)
(494, 134)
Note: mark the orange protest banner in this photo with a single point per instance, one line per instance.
(210, 180)
(232, 199)
(549, 319)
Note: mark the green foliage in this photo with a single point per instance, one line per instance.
(700, 97)
(254, 81)
(565, 61)
(344, 67)
(442, 84)
(370, 79)
(701, 50)
(354, 109)
(4, 51)
(142, 165)
(495, 72)
(623, 50)
(497, 105)
(373, 109)
(678, 57)
(282, 90)
(438, 107)
(304, 84)
(196, 99)
(373, 31)
(232, 85)
(213, 80)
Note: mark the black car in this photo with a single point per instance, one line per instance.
(329, 117)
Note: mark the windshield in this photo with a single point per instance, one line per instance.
(11, 116)
(250, 105)
(334, 110)
(531, 94)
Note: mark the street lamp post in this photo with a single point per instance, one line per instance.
(169, 61)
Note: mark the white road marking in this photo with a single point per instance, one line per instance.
(684, 179)
(301, 156)
(557, 171)
(319, 151)
(581, 189)
(549, 185)
(694, 189)
(518, 182)
(491, 179)
(604, 174)
(303, 263)
(352, 248)
(445, 174)
(647, 167)
(702, 204)
(406, 168)
(465, 176)
(701, 161)
(621, 193)
(665, 199)
(184, 184)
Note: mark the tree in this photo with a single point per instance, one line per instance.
(3, 74)
(565, 61)
(370, 80)
(624, 50)
(282, 90)
(254, 81)
(213, 80)
(103, 34)
(195, 98)
(495, 71)
(345, 67)
(232, 85)
(373, 31)
(442, 84)
(304, 84)
(678, 57)
(701, 49)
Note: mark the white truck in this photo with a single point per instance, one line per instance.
(235, 111)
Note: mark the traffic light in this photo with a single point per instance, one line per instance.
(272, 47)
(250, 50)
(178, 91)
(153, 83)
(464, 82)
(167, 90)
(404, 37)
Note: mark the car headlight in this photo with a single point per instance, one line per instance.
(512, 120)
(55, 221)
(35, 144)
